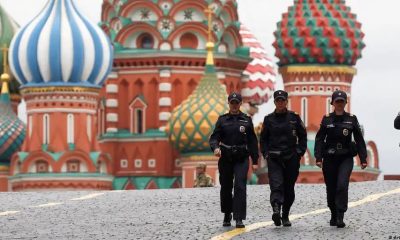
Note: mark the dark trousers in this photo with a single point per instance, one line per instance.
(233, 175)
(282, 178)
(337, 173)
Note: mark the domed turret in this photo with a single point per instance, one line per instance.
(192, 122)
(60, 47)
(319, 32)
(12, 129)
(260, 85)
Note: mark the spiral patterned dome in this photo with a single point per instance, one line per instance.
(12, 129)
(60, 47)
(319, 32)
(260, 85)
(192, 122)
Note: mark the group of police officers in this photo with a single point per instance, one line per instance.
(283, 141)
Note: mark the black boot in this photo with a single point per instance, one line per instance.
(227, 220)
(339, 220)
(285, 219)
(333, 220)
(276, 215)
(239, 224)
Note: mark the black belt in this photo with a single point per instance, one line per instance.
(232, 147)
(338, 146)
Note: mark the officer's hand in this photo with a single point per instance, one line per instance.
(319, 164)
(217, 152)
(364, 165)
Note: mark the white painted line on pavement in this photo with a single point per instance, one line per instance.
(50, 204)
(93, 195)
(254, 226)
(8, 213)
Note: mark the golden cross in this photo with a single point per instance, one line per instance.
(209, 11)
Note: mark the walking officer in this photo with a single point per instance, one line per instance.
(334, 152)
(283, 142)
(233, 141)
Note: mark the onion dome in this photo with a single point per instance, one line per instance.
(319, 32)
(260, 85)
(193, 121)
(60, 47)
(8, 28)
(12, 129)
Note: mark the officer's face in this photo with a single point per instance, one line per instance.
(339, 105)
(280, 104)
(234, 106)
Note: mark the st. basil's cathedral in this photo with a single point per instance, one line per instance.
(130, 103)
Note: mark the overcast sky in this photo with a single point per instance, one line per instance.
(375, 89)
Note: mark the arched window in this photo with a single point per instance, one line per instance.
(139, 120)
(89, 127)
(189, 41)
(138, 115)
(70, 129)
(42, 166)
(145, 41)
(30, 125)
(328, 105)
(46, 129)
(304, 109)
(73, 166)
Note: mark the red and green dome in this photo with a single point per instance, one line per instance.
(319, 32)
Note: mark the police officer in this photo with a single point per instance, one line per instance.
(334, 152)
(233, 141)
(202, 179)
(397, 122)
(283, 142)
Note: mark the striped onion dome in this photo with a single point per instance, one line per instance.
(260, 85)
(12, 129)
(8, 28)
(60, 47)
(319, 32)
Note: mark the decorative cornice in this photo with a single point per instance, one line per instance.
(317, 69)
(29, 90)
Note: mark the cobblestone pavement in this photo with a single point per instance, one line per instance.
(192, 214)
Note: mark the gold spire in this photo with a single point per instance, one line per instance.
(5, 77)
(210, 43)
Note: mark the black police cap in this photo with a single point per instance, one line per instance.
(338, 95)
(280, 94)
(235, 96)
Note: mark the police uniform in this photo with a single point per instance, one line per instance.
(283, 142)
(333, 144)
(397, 122)
(234, 135)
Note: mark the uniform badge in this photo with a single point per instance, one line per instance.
(242, 129)
(345, 132)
